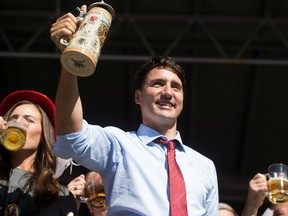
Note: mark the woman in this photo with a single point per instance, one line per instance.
(27, 177)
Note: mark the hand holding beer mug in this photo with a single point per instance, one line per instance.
(94, 192)
(13, 137)
(277, 183)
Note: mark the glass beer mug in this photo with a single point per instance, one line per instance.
(94, 192)
(278, 183)
(14, 137)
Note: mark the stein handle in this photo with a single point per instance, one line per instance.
(63, 40)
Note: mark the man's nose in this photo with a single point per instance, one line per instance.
(167, 89)
(167, 92)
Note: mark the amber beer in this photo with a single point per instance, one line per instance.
(14, 137)
(278, 190)
(96, 197)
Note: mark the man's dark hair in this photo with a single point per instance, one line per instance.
(161, 62)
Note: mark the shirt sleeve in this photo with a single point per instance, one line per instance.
(213, 196)
(94, 147)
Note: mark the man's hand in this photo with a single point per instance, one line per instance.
(65, 26)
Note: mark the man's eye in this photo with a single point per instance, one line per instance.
(177, 87)
(157, 84)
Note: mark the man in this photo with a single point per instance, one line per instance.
(132, 164)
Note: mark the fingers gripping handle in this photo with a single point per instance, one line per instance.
(63, 41)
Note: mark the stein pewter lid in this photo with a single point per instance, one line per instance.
(105, 6)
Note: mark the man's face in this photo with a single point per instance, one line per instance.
(161, 98)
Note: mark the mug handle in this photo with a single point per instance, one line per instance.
(63, 41)
(267, 178)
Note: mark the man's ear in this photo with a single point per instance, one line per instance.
(137, 97)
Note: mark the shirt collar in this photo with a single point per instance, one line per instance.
(147, 135)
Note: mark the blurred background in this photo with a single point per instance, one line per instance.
(235, 54)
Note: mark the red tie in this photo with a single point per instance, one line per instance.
(178, 202)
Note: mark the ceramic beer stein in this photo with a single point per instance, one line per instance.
(81, 53)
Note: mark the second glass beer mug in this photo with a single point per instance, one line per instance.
(81, 54)
(14, 137)
(94, 192)
(278, 183)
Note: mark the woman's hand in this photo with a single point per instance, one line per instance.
(3, 124)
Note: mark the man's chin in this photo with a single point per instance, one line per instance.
(168, 117)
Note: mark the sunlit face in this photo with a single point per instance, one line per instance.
(225, 212)
(29, 116)
(161, 98)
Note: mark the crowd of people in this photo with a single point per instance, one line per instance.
(123, 161)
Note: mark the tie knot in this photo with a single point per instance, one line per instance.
(170, 144)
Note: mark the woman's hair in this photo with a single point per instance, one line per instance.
(42, 182)
(158, 62)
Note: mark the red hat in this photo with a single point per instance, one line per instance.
(35, 97)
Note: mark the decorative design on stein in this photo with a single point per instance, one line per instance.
(82, 52)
